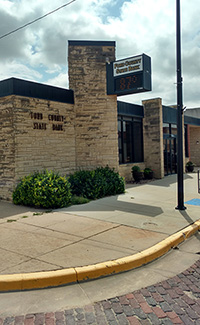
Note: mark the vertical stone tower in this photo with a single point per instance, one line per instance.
(95, 111)
(153, 136)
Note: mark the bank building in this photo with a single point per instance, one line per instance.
(86, 126)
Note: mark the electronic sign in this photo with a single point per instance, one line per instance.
(129, 76)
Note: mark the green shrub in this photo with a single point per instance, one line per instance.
(97, 183)
(135, 169)
(81, 183)
(110, 182)
(190, 163)
(43, 189)
(147, 171)
(49, 190)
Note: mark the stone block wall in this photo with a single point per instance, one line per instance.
(153, 136)
(44, 136)
(37, 134)
(194, 138)
(96, 112)
(7, 148)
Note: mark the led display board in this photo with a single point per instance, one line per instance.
(129, 76)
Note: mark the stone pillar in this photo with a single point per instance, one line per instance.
(96, 112)
(183, 131)
(194, 144)
(153, 136)
(7, 148)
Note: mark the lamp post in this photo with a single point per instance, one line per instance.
(180, 188)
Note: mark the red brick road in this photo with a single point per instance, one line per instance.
(173, 301)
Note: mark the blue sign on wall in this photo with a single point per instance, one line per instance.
(129, 76)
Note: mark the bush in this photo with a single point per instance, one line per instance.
(81, 183)
(148, 173)
(135, 169)
(190, 163)
(190, 166)
(97, 183)
(43, 189)
(49, 190)
(137, 173)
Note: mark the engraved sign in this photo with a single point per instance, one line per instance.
(56, 121)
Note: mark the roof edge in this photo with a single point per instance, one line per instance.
(90, 43)
(21, 87)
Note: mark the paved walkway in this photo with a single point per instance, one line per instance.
(106, 229)
(34, 240)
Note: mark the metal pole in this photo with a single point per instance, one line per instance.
(180, 205)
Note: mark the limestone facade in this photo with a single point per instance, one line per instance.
(153, 136)
(95, 111)
(38, 134)
(35, 135)
(194, 144)
(7, 148)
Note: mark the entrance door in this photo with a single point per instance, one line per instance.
(170, 155)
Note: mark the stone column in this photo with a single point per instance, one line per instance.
(194, 143)
(96, 112)
(153, 136)
(7, 148)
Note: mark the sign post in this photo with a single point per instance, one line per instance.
(180, 205)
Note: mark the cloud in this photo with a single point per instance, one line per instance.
(19, 70)
(60, 80)
(39, 52)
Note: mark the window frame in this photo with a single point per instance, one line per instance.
(132, 120)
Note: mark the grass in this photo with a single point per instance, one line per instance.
(79, 200)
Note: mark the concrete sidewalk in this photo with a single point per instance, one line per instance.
(103, 230)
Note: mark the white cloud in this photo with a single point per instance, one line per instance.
(39, 52)
(19, 70)
(60, 80)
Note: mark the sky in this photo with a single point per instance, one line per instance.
(39, 51)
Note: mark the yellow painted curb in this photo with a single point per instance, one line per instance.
(38, 280)
(127, 263)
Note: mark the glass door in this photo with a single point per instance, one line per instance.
(170, 155)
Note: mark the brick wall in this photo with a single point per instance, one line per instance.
(96, 113)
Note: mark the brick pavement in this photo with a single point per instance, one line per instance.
(173, 301)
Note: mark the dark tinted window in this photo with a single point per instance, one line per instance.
(130, 136)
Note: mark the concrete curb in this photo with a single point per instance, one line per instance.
(39, 280)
